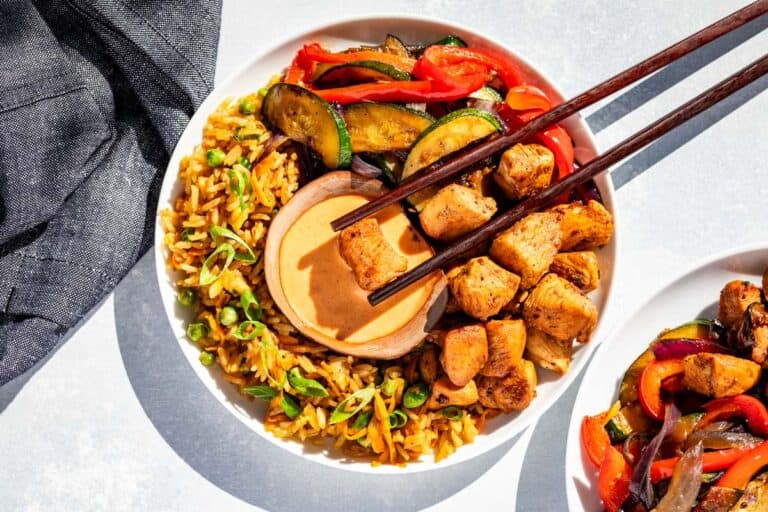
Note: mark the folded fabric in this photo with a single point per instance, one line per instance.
(93, 97)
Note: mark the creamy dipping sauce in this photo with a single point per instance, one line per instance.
(321, 288)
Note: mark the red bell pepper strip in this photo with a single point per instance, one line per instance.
(450, 76)
(594, 437)
(649, 385)
(713, 461)
(613, 480)
(446, 56)
(743, 406)
(527, 97)
(404, 92)
(740, 473)
(312, 53)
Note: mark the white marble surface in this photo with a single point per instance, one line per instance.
(75, 436)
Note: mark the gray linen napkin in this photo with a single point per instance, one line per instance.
(93, 97)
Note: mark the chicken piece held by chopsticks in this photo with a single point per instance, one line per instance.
(373, 261)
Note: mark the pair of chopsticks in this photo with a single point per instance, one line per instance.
(441, 170)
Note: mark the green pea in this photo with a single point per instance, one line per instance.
(415, 395)
(263, 91)
(247, 106)
(186, 297)
(244, 162)
(207, 358)
(228, 315)
(197, 331)
(215, 157)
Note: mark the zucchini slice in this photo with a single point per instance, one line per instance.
(447, 135)
(307, 118)
(377, 127)
(359, 72)
(630, 419)
(394, 45)
(628, 388)
(695, 330)
(487, 93)
(451, 40)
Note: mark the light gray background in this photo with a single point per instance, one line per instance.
(116, 419)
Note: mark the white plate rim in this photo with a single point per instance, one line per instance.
(214, 384)
(573, 443)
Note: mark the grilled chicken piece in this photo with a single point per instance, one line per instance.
(455, 210)
(511, 393)
(580, 268)
(481, 287)
(506, 343)
(755, 497)
(445, 393)
(718, 499)
(528, 247)
(735, 298)
(559, 309)
(370, 256)
(754, 333)
(719, 375)
(548, 352)
(465, 351)
(429, 365)
(585, 227)
(524, 170)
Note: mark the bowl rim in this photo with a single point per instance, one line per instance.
(572, 434)
(167, 288)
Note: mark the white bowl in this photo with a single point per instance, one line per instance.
(252, 76)
(694, 294)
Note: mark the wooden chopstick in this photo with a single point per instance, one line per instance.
(441, 170)
(598, 165)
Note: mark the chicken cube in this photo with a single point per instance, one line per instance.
(755, 497)
(481, 287)
(719, 375)
(585, 227)
(548, 352)
(735, 298)
(754, 333)
(429, 365)
(506, 343)
(529, 247)
(511, 393)
(580, 268)
(465, 351)
(560, 309)
(524, 170)
(445, 393)
(454, 211)
(479, 179)
(372, 259)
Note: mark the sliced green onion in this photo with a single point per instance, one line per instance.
(263, 392)
(415, 395)
(215, 157)
(206, 276)
(251, 306)
(305, 386)
(389, 387)
(243, 333)
(185, 234)
(266, 344)
(397, 419)
(244, 162)
(290, 406)
(207, 358)
(228, 315)
(247, 135)
(220, 232)
(263, 91)
(186, 297)
(197, 331)
(362, 397)
(453, 413)
(362, 420)
(247, 106)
